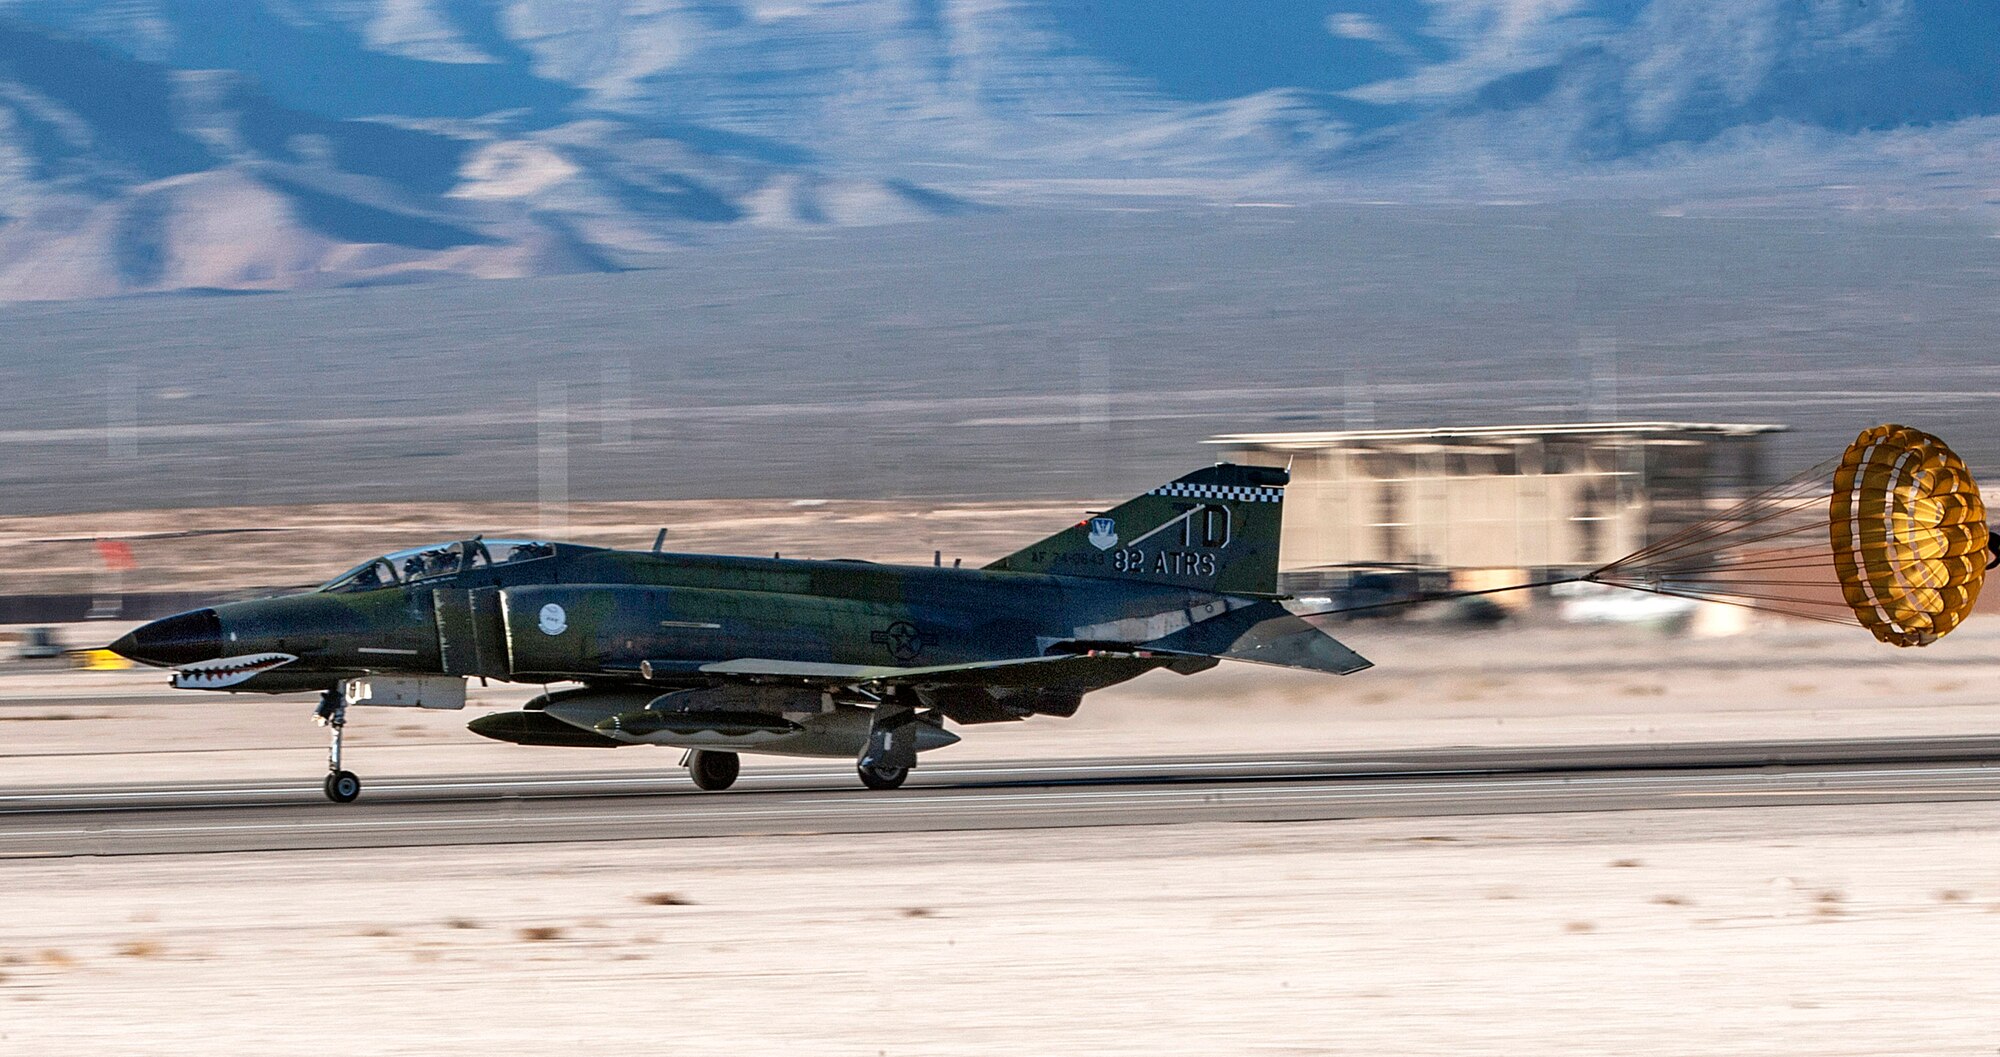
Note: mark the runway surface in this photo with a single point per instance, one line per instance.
(782, 798)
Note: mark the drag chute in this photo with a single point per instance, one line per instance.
(1892, 535)
(1908, 532)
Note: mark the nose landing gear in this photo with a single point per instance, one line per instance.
(341, 787)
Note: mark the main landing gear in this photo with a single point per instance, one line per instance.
(882, 775)
(892, 746)
(712, 770)
(342, 787)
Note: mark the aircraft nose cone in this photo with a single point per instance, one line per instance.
(180, 639)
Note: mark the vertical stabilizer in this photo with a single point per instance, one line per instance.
(1215, 529)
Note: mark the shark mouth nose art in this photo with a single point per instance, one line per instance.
(228, 671)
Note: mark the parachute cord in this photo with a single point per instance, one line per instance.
(1788, 497)
(1745, 599)
(1792, 607)
(1722, 530)
(1760, 603)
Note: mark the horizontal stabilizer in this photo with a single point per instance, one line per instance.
(1265, 633)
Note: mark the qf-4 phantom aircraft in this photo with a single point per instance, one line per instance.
(724, 655)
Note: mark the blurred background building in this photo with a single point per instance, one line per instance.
(1477, 507)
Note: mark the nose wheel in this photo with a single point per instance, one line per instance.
(341, 787)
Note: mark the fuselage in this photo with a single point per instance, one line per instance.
(578, 612)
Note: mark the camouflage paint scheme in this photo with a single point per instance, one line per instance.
(781, 656)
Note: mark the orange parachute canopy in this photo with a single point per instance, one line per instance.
(1908, 532)
(1891, 536)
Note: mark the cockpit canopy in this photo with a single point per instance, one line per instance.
(437, 560)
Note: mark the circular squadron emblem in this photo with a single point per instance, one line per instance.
(554, 620)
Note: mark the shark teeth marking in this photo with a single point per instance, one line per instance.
(228, 671)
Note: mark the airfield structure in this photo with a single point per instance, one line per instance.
(1494, 506)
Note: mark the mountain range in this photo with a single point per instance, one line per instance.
(161, 145)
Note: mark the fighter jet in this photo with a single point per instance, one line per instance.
(721, 655)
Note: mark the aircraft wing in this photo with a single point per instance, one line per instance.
(1052, 671)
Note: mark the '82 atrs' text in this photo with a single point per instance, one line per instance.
(1135, 560)
(1164, 563)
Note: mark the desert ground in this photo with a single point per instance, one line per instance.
(1772, 931)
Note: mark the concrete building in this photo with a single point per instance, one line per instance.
(1497, 505)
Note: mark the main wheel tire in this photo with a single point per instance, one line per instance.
(882, 777)
(342, 787)
(714, 771)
